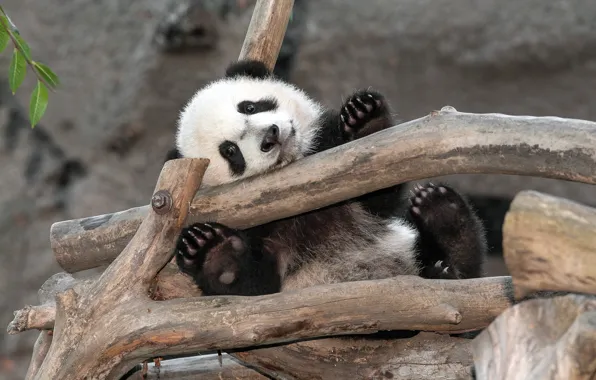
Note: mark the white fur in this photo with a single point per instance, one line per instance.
(211, 117)
(345, 258)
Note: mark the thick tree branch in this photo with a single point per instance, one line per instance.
(184, 326)
(445, 142)
(540, 339)
(449, 306)
(266, 31)
(550, 244)
(81, 346)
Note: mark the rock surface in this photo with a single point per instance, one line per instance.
(532, 57)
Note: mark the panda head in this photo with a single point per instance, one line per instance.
(246, 124)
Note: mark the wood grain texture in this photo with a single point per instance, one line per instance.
(266, 31)
(91, 315)
(425, 356)
(445, 305)
(442, 143)
(549, 244)
(551, 339)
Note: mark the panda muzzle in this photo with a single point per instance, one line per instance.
(270, 139)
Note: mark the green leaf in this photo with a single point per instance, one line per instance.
(47, 74)
(23, 46)
(17, 71)
(4, 36)
(38, 103)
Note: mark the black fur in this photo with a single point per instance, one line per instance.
(249, 108)
(451, 238)
(225, 261)
(451, 241)
(173, 154)
(232, 153)
(248, 68)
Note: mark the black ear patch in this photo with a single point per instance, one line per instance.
(248, 68)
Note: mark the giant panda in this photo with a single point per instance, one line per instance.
(249, 123)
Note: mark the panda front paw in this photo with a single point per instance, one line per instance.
(359, 110)
(213, 254)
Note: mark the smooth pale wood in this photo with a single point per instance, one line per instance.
(266, 31)
(549, 243)
(551, 339)
(88, 334)
(40, 350)
(445, 142)
(425, 356)
(204, 367)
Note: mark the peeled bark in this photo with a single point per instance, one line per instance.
(551, 339)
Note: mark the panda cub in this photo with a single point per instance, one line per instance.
(250, 123)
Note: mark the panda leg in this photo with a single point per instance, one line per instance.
(451, 239)
(364, 113)
(224, 261)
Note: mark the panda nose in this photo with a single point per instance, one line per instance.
(271, 138)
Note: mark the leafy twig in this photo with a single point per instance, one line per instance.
(46, 78)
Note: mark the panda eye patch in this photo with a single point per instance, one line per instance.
(232, 153)
(228, 149)
(248, 107)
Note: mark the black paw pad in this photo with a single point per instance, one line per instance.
(437, 207)
(210, 248)
(360, 109)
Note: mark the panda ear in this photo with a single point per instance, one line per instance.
(248, 68)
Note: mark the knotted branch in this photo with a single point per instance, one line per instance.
(89, 317)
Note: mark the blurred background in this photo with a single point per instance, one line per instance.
(127, 67)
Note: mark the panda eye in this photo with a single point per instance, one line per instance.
(230, 151)
(249, 108)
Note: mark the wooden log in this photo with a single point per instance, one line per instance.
(425, 356)
(550, 244)
(204, 367)
(551, 339)
(83, 346)
(266, 31)
(452, 306)
(445, 142)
